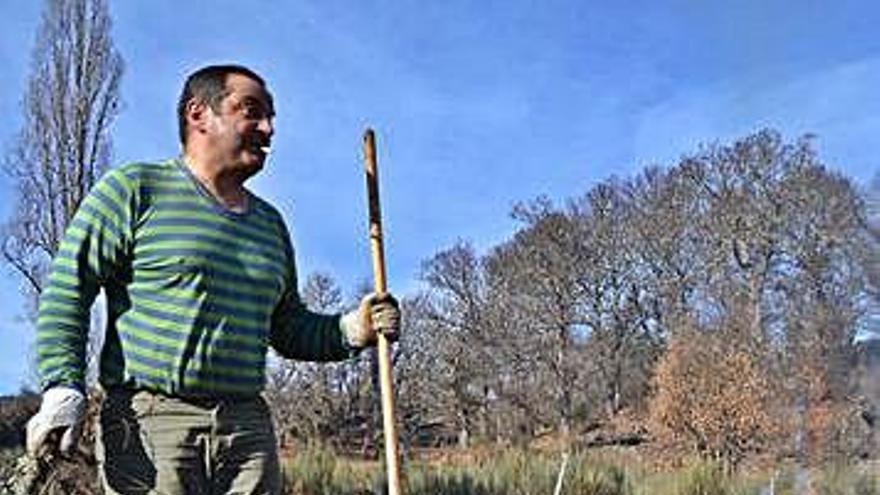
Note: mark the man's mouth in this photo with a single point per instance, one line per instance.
(261, 148)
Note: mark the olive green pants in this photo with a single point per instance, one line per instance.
(154, 444)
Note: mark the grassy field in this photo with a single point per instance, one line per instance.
(317, 471)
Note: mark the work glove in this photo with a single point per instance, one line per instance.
(376, 314)
(57, 425)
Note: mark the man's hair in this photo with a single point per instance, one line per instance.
(208, 85)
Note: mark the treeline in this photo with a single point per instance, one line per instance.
(716, 302)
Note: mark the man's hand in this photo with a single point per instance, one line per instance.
(57, 425)
(376, 314)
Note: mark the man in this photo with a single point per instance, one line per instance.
(199, 276)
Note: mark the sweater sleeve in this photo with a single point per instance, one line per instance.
(95, 244)
(299, 333)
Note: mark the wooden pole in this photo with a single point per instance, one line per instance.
(392, 458)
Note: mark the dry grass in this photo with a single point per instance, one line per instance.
(525, 472)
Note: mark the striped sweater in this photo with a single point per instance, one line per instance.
(195, 293)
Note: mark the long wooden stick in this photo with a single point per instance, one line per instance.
(392, 459)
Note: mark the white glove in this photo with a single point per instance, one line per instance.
(61, 415)
(376, 314)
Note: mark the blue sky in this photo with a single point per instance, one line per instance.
(477, 105)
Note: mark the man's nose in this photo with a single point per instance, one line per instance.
(266, 126)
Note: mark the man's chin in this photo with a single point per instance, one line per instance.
(255, 168)
(249, 168)
(254, 161)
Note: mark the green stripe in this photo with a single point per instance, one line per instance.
(196, 365)
(176, 344)
(151, 235)
(171, 326)
(208, 251)
(185, 297)
(200, 314)
(264, 231)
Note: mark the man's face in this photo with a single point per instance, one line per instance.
(242, 128)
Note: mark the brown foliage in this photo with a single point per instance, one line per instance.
(716, 399)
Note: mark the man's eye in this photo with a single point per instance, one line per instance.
(251, 111)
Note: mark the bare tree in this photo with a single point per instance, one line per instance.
(455, 309)
(782, 275)
(535, 281)
(873, 207)
(302, 393)
(64, 145)
(618, 298)
(426, 404)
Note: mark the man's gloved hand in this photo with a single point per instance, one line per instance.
(57, 425)
(376, 314)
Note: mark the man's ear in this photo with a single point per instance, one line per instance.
(196, 115)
